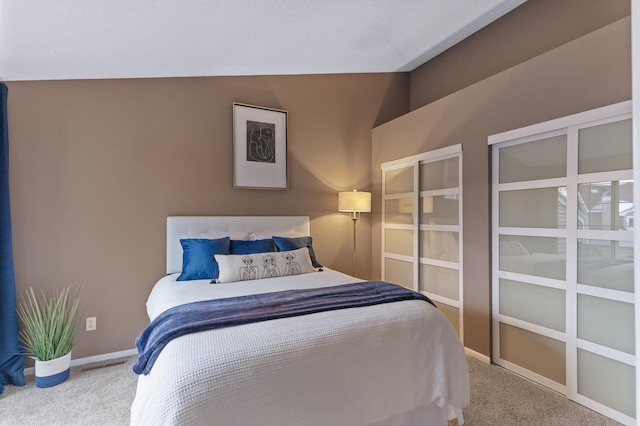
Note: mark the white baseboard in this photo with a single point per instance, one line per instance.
(477, 355)
(91, 359)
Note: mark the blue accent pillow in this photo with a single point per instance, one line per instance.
(286, 244)
(252, 247)
(198, 262)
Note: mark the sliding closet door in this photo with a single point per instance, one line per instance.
(530, 196)
(421, 227)
(440, 234)
(399, 238)
(563, 278)
(605, 289)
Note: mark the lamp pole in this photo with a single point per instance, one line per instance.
(353, 255)
(354, 202)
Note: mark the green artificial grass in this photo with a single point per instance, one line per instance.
(49, 323)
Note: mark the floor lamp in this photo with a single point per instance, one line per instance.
(354, 203)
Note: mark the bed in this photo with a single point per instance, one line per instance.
(398, 363)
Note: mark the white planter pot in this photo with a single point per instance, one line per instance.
(54, 372)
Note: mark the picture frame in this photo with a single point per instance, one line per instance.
(259, 147)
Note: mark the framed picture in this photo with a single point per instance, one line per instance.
(259, 147)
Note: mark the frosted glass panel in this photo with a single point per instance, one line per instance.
(536, 304)
(534, 208)
(439, 174)
(440, 210)
(605, 263)
(398, 272)
(606, 147)
(399, 181)
(606, 322)
(540, 354)
(541, 159)
(399, 211)
(398, 241)
(605, 205)
(441, 281)
(440, 245)
(607, 381)
(539, 256)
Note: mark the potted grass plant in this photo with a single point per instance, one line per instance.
(48, 332)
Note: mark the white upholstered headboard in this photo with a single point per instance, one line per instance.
(179, 226)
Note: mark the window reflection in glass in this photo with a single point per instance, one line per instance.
(606, 263)
(538, 256)
(606, 205)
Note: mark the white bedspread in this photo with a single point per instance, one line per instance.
(393, 364)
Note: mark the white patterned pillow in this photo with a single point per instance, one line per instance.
(242, 267)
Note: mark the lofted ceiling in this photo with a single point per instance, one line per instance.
(89, 39)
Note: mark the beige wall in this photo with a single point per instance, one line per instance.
(97, 165)
(589, 72)
(531, 29)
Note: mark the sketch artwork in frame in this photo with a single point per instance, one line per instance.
(259, 147)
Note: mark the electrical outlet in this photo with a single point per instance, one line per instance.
(91, 323)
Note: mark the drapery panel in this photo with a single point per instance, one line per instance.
(11, 358)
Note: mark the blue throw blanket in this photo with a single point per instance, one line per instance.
(218, 313)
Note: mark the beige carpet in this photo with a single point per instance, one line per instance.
(101, 394)
(94, 394)
(499, 397)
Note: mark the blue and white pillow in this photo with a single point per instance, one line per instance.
(198, 260)
(252, 247)
(286, 244)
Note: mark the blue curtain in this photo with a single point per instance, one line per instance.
(11, 358)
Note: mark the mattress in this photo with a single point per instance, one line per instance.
(392, 364)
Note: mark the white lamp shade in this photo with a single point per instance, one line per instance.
(354, 201)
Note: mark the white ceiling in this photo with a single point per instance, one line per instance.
(78, 39)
